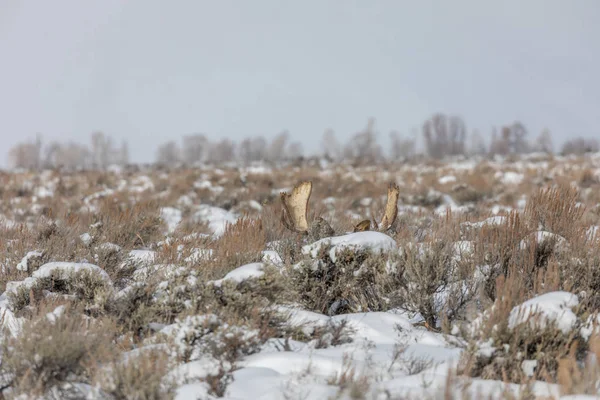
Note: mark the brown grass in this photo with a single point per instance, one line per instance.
(511, 266)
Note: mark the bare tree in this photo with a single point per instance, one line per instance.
(580, 146)
(27, 155)
(498, 145)
(363, 147)
(477, 145)
(444, 136)
(101, 149)
(278, 146)
(515, 137)
(221, 152)
(51, 154)
(71, 156)
(543, 143)
(123, 158)
(253, 149)
(330, 146)
(401, 148)
(194, 148)
(168, 154)
(295, 151)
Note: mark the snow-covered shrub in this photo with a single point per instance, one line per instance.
(54, 353)
(435, 279)
(334, 333)
(134, 308)
(240, 293)
(527, 340)
(142, 375)
(197, 336)
(79, 282)
(110, 258)
(356, 281)
(158, 294)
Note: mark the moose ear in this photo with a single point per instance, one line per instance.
(391, 208)
(362, 226)
(295, 207)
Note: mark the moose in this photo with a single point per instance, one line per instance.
(295, 213)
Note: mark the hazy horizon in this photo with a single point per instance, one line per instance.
(149, 72)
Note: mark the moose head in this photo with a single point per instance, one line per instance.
(295, 213)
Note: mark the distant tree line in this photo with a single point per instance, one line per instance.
(442, 136)
(100, 153)
(446, 136)
(198, 149)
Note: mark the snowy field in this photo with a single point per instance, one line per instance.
(146, 283)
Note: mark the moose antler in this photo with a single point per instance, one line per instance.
(362, 226)
(389, 217)
(295, 207)
(391, 208)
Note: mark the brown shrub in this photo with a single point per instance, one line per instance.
(241, 243)
(357, 281)
(507, 348)
(53, 354)
(555, 210)
(128, 225)
(140, 376)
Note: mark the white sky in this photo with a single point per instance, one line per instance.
(151, 70)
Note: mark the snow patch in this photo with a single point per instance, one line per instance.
(549, 307)
(447, 179)
(245, 272)
(271, 256)
(142, 256)
(509, 177)
(492, 221)
(66, 269)
(370, 240)
(217, 218)
(24, 264)
(172, 217)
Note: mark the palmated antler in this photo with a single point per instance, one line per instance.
(389, 217)
(362, 226)
(391, 208)
(295, 207)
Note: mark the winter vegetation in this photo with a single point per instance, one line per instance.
(440, 137)
(469, 271)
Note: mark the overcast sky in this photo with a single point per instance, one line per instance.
(152, 70)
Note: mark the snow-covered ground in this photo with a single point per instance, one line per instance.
(447, 223)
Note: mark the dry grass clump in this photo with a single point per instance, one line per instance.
(545, 249)
(466, 194)
(128, 225)
(241, 243)
(577, 376)
(531, 349)
(274, 230)
(549, 231)
(556, 210)
(139, 376)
